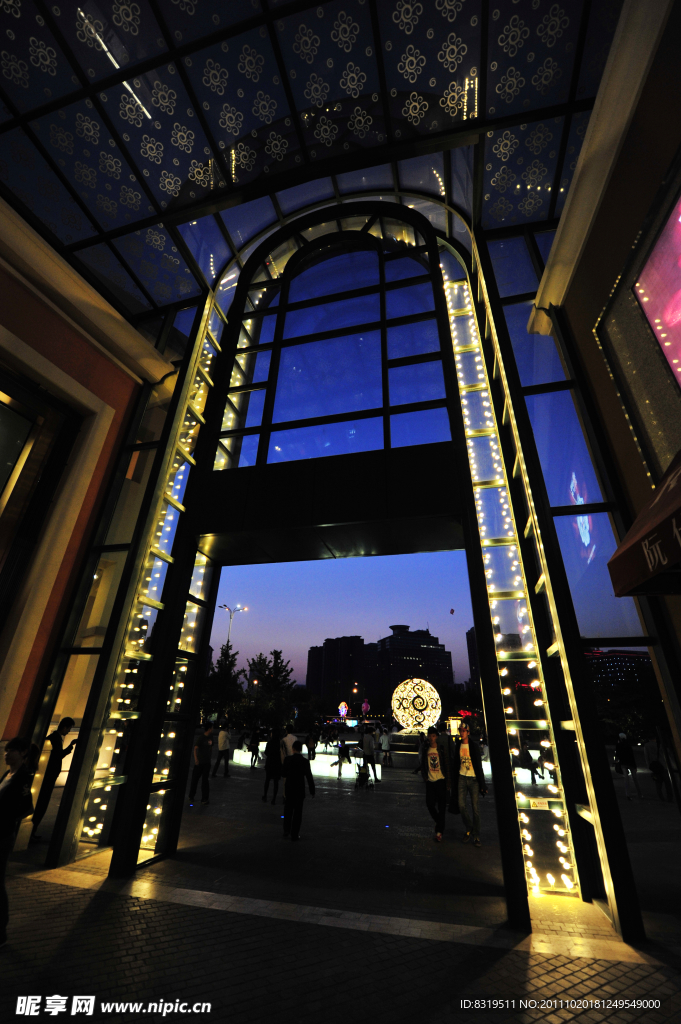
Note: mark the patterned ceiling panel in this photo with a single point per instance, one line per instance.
(431, 53)
(532, 47)
(106, 36)
(520, 167)
(239, 87)
(81, 145)
(35, 184)
(117, 116)
(575, 139)
(34, 67)
(332, 71)
(157, 264)
(102, 263)
(157, 121)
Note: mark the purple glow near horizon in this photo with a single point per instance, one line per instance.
(293, 606)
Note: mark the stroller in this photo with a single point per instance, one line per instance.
(365, 779)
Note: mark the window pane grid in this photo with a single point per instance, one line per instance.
(341, 375)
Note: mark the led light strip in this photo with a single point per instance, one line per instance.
(552, 847)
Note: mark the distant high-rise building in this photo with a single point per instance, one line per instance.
(377, 668)
(618, 668)
(413, 654)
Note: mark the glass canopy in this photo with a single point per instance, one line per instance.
(123, 124)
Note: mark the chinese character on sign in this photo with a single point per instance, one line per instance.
(28, 1006)
(83, 1004)
(55, 1004)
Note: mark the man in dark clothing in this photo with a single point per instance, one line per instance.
(272, 764)
(52, 770)
(437, 774)
(296, 770)
(15, 804)
(203, 746)
(467, 768)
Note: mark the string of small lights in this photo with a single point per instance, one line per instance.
(542, 819)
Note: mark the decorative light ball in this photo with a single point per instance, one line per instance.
(416, 704)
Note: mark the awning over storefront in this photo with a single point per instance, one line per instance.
(648, 561)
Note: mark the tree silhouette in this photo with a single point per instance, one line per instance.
(270, 689)
(223, 692)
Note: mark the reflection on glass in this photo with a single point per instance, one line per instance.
(230, 418)
(222, 457)
(260, 329)
(245, 450)
(254, 408)
(103, 590)
(327, 439)
(407, 266)
(502, 568)
(177, 480)
(201, 577)
(168, 744)
(207, 358)
(544, 240)
(152, 825)
(182, 673)
(355, 269)
(99, 813)
(198, 393)
(420, 382)
(484, 458)
(190, 634)
(513, 267)
(429, 426)
(469, 369)
(126, 513)
(127, 687)
(415, 298)
(398, 231)
(536, 355)
(587, 543)
(494, 512)
(326, 377)
(330, 316)
(565, 461)
(477, 410)
(166, 527)
(303, 195)
(413, 339)
(141, 629)
(189, 431)
(154, 578)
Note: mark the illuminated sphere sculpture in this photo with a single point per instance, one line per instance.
(416, 704)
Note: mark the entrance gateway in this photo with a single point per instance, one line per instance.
(356, 402)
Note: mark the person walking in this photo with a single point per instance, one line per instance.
(254, 747)
(624, 756)
(203, 746)
(437, 774)
(467, 768)
(223, 750)
(343, 755)
(15, 804)
(296, 771)
(272, 765)
(287, 743)
(368, 748)
(52, 771)
(385, 748)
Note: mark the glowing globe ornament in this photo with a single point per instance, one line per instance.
(416, 704)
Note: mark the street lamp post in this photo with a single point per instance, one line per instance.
(232, 613)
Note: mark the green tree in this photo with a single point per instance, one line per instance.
(223, 692)
(270, 689)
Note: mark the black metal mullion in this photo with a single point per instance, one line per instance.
(380, 67)
(273, 376)
(276, 49)
(572, 93)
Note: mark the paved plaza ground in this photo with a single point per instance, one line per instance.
(365, 918)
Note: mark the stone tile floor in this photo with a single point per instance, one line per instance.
(355, 921)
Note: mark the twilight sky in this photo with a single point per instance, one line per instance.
(296, 605)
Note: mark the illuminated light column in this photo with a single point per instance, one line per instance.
(542, 818)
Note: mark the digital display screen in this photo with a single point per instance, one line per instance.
(658, 291)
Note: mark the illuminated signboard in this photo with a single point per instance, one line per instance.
(658, 290)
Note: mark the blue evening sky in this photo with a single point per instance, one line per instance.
(296, 605)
